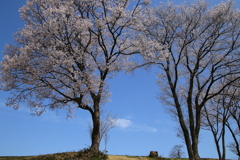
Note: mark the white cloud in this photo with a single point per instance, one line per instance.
(123, 123)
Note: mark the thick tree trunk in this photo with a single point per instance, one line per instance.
(189, 148)
(196, 154)
(94, 149)
(195, 148)
(95, 137)
(191, 142)
(192, 147)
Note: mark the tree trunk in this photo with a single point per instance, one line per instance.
(217, 145)
(187, 141)
(192, 150)
(223, 142)
(190, 133)
(191, 144)
(95, 137)
(195, 147)
(196, 155)
(94, 149)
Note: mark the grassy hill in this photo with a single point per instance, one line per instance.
(75, 156)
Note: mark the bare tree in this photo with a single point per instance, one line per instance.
(106, 139)
(222, 112)
(233, 124)
(176, 152)
(66, 52)
(215, 117)
(195, 48)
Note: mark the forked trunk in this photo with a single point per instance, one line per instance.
(191, 144)
(192, 148)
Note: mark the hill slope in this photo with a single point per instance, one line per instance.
(73, 155)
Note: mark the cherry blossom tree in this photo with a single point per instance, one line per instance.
(194, 47)
(66, 52)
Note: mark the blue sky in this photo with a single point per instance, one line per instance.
(144, 125)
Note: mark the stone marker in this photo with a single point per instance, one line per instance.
(153, 154)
